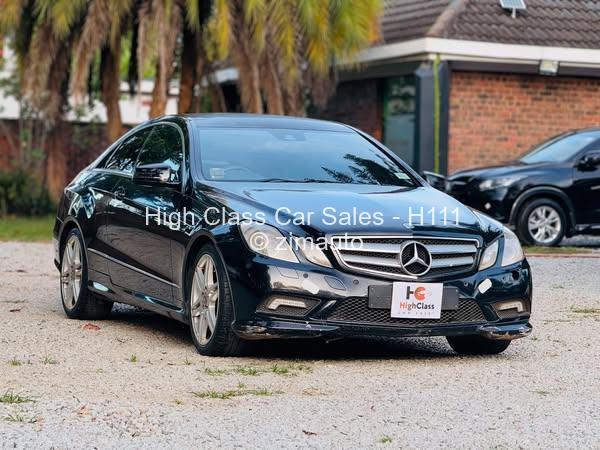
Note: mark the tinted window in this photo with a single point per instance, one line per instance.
(560, 149)
(124, 157)
(250, 154)
(163, 146)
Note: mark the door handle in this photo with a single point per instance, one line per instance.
(120, 192)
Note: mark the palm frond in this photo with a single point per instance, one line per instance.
(10, 14)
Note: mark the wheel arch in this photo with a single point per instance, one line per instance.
(550, 192)
(199, 240)
(69, 224)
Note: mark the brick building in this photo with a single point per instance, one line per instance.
(461, 83)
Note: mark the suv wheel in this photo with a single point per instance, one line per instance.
(210, 305)
(542, 222)
(476, 345)
(78, 302)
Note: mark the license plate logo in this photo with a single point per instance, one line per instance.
(417, 300)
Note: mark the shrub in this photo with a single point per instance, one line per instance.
(23, 194)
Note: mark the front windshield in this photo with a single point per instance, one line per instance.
(290, 155)
(560, 149)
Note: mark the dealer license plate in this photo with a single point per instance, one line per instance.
(417, 300)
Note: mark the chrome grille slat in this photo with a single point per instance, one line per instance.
(379, 255)
(452, 262)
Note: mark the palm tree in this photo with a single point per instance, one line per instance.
(283, 47)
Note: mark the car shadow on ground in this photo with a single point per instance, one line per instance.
(296, 349)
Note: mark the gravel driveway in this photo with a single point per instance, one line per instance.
(135, 380)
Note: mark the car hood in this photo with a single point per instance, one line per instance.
(335, 209)
(497, 171)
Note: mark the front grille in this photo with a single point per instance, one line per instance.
(379, 255)
(356, 310)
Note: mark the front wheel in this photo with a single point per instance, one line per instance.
(476, 345)
(78, 302)
(542, 222)
(210, 305)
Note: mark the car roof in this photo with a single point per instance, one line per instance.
(238, 120)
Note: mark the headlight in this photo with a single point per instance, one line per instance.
(267, 240)
(490, 254)
(312, 252)
(513, 252)
(495, 183)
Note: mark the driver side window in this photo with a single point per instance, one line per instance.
(124, 157)
(163, 146)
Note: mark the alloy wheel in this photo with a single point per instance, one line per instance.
(204, 299)
(70, 273)
(544, 224)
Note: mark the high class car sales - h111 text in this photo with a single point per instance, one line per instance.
(285, 216)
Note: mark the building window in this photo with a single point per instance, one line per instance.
(399, 117)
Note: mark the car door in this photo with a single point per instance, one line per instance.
(141, 223)
(586, 187)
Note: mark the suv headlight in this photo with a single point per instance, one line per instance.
(267, 241)
(513, 252)
(495, 183)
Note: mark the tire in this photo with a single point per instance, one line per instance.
(534, 210)
(78, 302)
(476, 345)
(222, 341)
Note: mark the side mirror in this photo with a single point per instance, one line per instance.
(436, 180)
(156, 174)
(590, 161)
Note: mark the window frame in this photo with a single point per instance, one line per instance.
(182, 139)
(105, 156)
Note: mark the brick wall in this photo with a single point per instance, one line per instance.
(495, 117)
(356, 103)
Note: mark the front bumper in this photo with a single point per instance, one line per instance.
(331, 290)
(282, 329)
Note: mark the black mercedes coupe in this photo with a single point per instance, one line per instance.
(254, 227)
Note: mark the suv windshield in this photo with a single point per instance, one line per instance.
(560, 149)
(291, 155)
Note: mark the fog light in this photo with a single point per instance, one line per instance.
(276, 302)
(513, 304)
(507, 309)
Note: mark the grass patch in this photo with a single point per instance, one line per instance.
(556, 250)
(187, 362)
(239, 392)
(10, 398)
(585, 310)
(49, 360)
(19, 418)
(247, 370)
(215, 372)
(385, 440)
(542, 392)
(28, 229)
(133, 359)
(14, 362)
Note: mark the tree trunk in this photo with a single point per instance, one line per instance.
(56, 168)
(164, 66)
(111, 82)
(272, 83)
(187, 80)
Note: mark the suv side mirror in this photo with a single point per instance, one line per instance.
(156, 174)
(590, 161)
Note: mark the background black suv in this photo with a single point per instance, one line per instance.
(551, 192)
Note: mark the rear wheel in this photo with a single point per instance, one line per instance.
(210, 305)
(78, 302)
(476, 345)
(542, 222)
